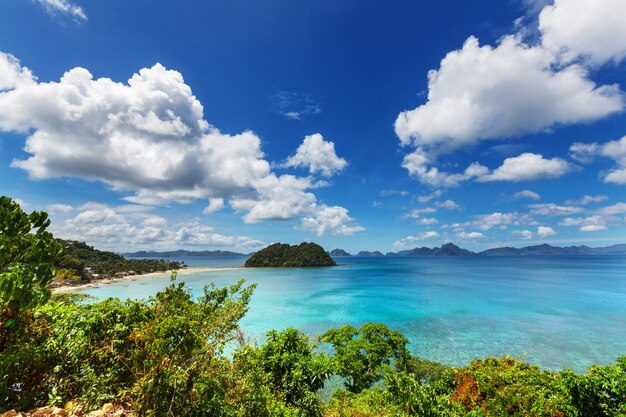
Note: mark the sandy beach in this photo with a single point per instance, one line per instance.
(180, 272)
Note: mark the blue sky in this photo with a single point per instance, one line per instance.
(359, 125)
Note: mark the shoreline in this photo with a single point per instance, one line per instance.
(106, 281)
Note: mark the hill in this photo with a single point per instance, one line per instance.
(449, 249)
(339, 252)
(181, 253)
(81, 261)
(287, 256)
(368, 253)
(546, 249)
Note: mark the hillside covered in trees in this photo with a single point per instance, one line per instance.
(80, 261)
(283, 255)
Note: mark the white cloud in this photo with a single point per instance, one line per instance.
(594, 223)
(149, 136)
(428, 221)
(551, 209)
(415, 213)
(526, 194)
(449, 205)
(587, 199)
(470, 235)
(497, 220)
(616, 150)
(524, 234)
(527, 167)
(545, 231)
(427, 197)
(63, 7)
(513, 88)
(59, 208)
(594, 29)
(12, 74)
(334, 220)
(215, 204)
(409, 241)
(418, 163)
(108, 228)
(485, 92)
(318, 155)
(617, 208)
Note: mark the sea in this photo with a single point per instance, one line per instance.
(556, 312)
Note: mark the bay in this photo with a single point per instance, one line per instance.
(555, 311)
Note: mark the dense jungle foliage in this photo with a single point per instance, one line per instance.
(284, 255)
(78, 255)
(173, 355)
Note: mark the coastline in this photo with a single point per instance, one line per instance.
(106, 281)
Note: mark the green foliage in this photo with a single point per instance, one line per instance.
(27, 256)
(287, 366)
(600, 392)
(509, 387)
(161, 356)
(426, 372)
(362, 356)
(373, 402)
(78, 255)
(283, 255)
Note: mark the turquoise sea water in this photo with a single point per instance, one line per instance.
(560, 312)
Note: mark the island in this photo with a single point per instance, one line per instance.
(339, 252)
(282, 255)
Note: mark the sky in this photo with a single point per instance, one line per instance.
(361, 125)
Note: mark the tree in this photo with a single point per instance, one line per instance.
(27, 256)
(363, 355)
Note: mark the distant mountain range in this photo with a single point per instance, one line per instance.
(450, 249)
(183, 254)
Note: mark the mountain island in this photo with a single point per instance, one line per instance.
(281, 255)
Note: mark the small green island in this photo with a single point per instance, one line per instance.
(282, 255)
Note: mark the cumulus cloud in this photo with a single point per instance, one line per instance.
(487, 92)
(149, 136)
(469, 235)
(616, 150)
(59, 208)
(126, 228)
(215, 204)
(497, 220)
(594, 29)
(594, 223)
(526, 194)
(524, 234)
(334, 220)
(527, 167)
(12, 74)
(587, 199)
(551, 209)
(409, 241)
(318, 155)
(542, 232)
(64, 7)
(449, 205)
(545, 231)
(618, 208)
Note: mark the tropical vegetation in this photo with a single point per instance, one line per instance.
(282, 255)
(173, 355)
